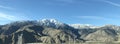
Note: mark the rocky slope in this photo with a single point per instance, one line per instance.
(53, 31)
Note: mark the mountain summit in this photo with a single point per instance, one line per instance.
(83, 26)
(51, 23)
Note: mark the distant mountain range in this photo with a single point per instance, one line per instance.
(53, 31)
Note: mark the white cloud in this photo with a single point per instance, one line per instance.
(93, 17)
(5, 7)
(68, 1)
(7, 17)
(112, 3)
(62, 2)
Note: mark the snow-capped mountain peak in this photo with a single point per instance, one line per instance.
(83, 26)
(50, 22)
(53, 21)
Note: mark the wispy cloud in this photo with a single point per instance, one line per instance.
(6, 7)
(93, 17)
(7, 17)
(112, 3)
(62, 2)
(67, 1)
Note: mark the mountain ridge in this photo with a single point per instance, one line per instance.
(53, 31)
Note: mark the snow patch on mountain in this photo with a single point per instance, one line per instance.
(83, 26)
(50, 23)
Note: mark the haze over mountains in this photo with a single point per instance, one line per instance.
(53, 31)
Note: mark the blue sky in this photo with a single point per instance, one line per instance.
(95, 12)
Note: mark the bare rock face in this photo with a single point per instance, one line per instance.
(46, 39)
(59, 36)
(102, 35)
(36, 33)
